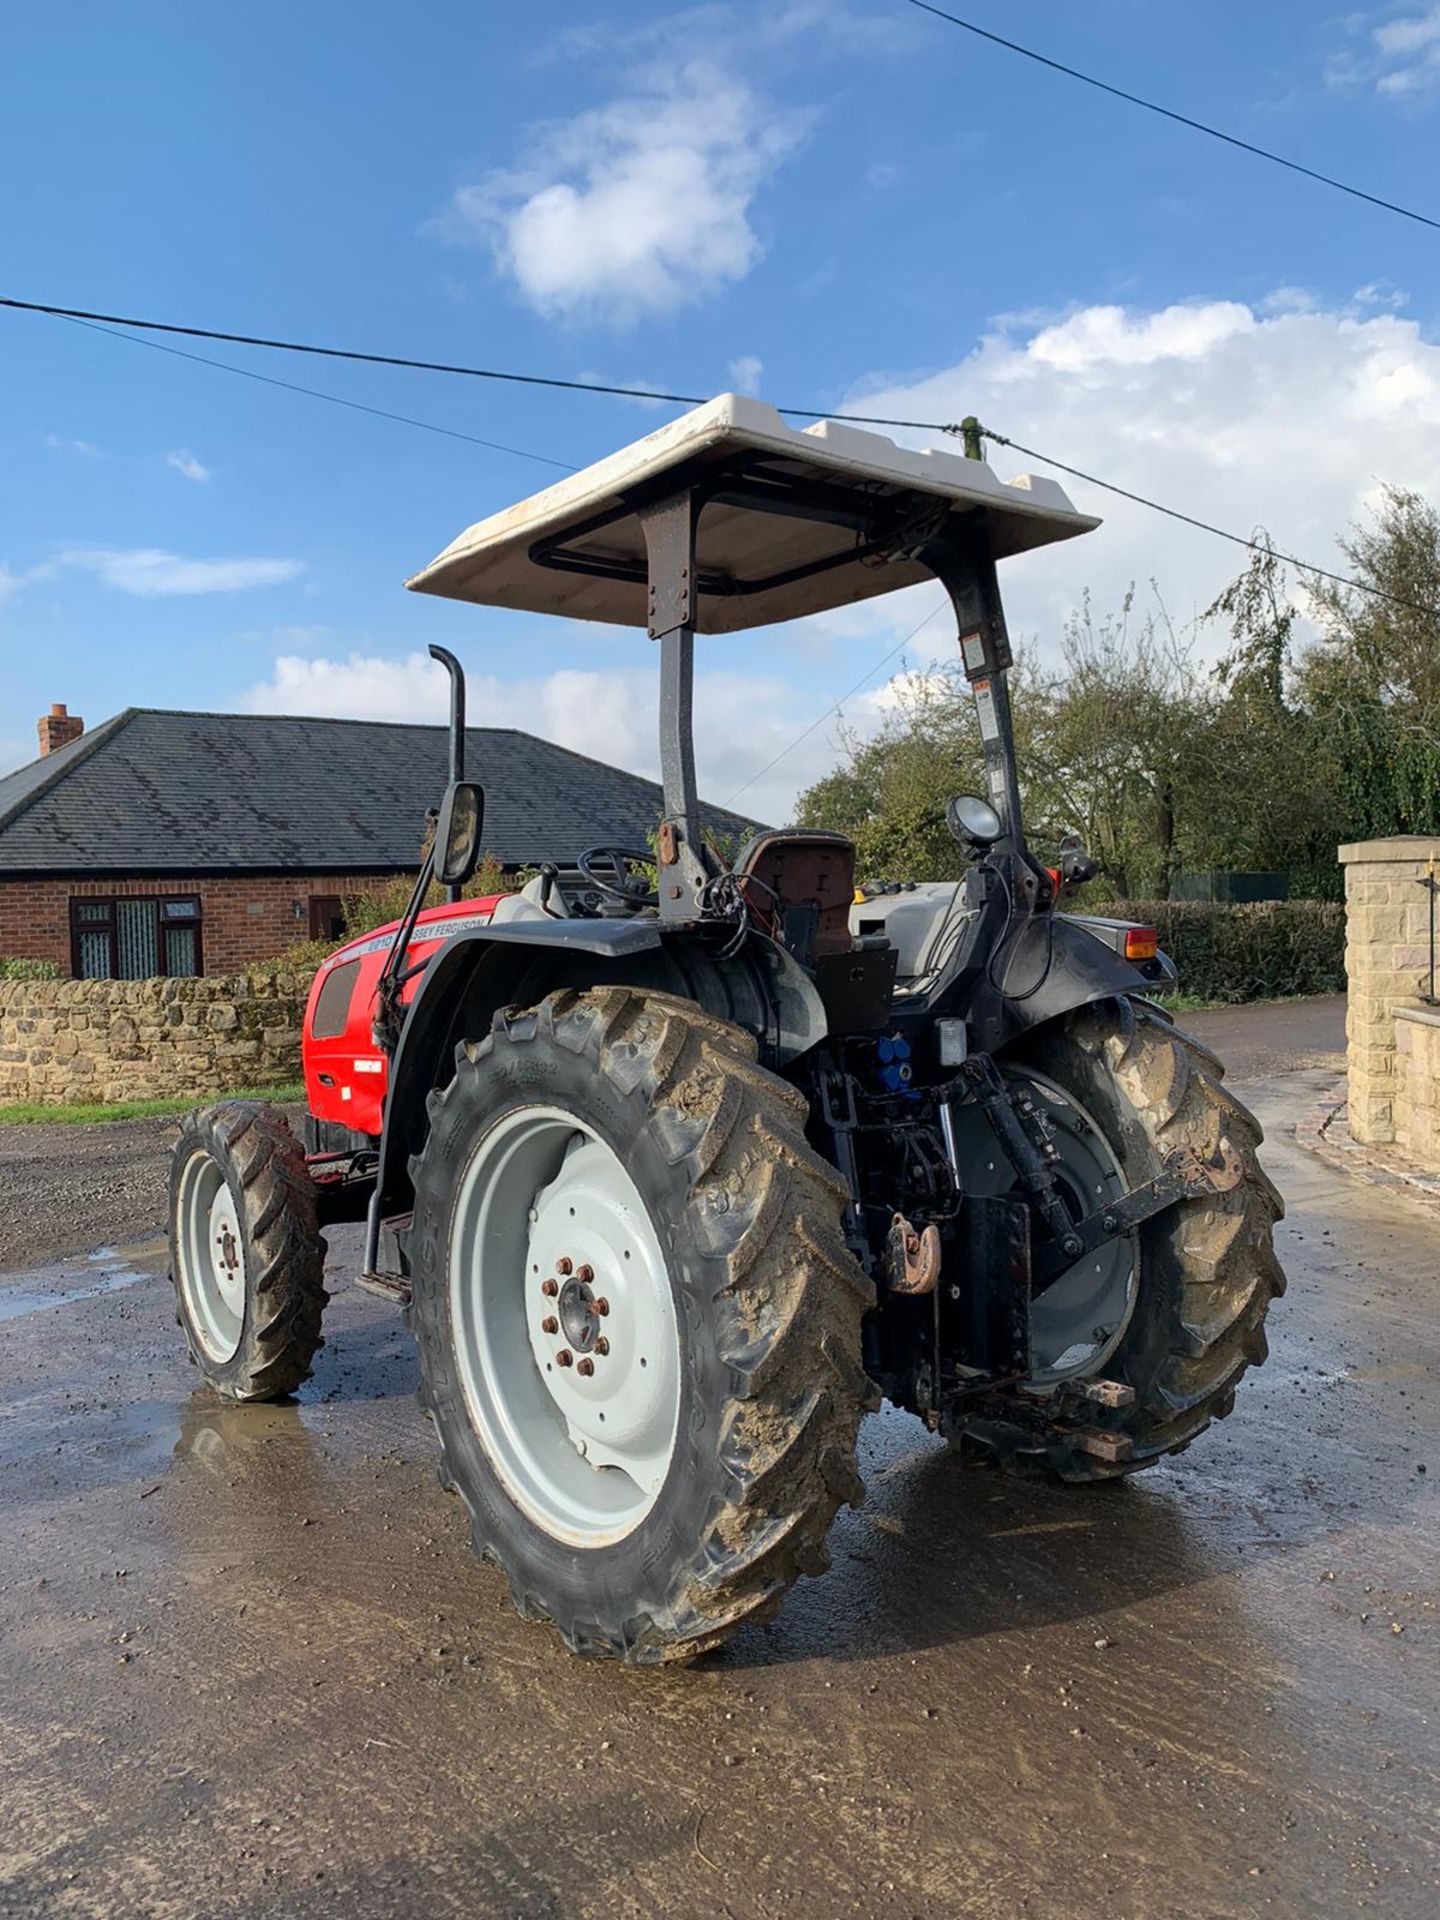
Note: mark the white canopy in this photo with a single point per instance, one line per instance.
(538, 555)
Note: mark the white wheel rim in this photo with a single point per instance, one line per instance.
(211, 1257)
(1077, 1323)
(563, 1320)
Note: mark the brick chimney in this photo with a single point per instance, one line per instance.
(58, 728)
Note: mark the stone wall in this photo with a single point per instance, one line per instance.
(1386, 957)
(107, 1040)
(1417, 1082)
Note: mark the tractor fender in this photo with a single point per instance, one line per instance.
(1056, 966)
(761, 988)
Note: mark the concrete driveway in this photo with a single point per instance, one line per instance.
(248, 1667)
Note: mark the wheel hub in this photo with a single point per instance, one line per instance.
(210, 1256)
(601, 1339)
(581, 1313)
(570, 1353)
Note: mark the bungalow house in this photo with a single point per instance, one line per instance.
(187, 843)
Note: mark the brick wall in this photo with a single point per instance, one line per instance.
(243, 920)
(106, 1040)
(1386, 953)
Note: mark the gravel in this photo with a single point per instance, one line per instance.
(68, 1189)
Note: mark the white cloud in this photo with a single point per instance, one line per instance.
(745, 371)
(1286, 414)
(183, 461)
(742, 721)
(637, 207)
(8, 582)
(806, 30)
(152, 573)
(1287, 419)
(1402, 59)
(62, 444)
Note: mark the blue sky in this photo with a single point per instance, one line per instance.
(818, 202)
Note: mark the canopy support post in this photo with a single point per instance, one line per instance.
(681, 862)
(965, 567)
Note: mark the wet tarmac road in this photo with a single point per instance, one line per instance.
(247, 1666)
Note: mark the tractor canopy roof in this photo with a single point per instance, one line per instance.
(794, 521)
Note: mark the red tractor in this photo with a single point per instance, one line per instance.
(683, 1163)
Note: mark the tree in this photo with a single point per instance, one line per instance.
(1103, 745)
(1111, 746)
(1372, 681)
(889, 791)
(1269, 760)
(1277, 809)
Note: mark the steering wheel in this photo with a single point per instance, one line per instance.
(630, 890)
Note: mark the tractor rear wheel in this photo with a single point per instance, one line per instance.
(247, 1257)
(1180, 1304)
(638, 1320)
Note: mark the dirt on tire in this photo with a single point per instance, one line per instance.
(284, 1253)
(770, 1294)
(1208, 1271)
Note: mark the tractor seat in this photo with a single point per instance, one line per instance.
(798, 885)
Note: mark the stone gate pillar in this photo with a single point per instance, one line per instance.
(1387, 953)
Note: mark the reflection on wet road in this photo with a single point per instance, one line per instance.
(248, 1667)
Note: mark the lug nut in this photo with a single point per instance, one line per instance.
(549, 1324)
(602, 1306)
(563, 1357)
(562, 1265)
(585, 1275)
(549, 1288)
(602, 1345)
(585, 1366)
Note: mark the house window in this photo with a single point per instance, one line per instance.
(128, 939)
(327, 916)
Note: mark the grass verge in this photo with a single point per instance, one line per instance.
(83, 1113)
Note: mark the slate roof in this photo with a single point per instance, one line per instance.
(156, 792)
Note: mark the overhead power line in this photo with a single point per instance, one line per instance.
(1220, 533)
(316, 393)
(113, 324)
(1169, 113)
(437, 366)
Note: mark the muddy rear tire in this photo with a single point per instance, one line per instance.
(579, 1141)
(247, 1256)
(1207, 1270)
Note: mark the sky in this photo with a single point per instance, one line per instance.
(842, 205)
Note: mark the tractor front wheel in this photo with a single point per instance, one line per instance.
(638, 1320)
(247, 1258)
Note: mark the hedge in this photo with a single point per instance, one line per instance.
(22, 969)
(1265, 950)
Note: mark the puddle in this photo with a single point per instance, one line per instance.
(74, 1280)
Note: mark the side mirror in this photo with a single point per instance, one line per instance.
(973, 822)
(457, 833)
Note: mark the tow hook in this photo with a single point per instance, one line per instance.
(912, 1258)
